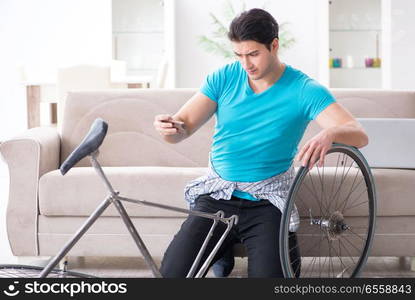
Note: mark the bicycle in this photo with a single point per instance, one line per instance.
(331, 225)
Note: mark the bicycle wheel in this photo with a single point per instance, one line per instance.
(336, 206)
(23, 271)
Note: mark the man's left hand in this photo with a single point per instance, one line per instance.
(316, 149)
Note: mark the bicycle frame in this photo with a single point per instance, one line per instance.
(115, 199)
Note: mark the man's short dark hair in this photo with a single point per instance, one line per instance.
(256, 25)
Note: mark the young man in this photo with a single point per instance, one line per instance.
(262, 109)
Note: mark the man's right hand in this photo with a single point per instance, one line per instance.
(190, 117)
(166, 125)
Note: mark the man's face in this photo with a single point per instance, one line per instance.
(255, 58)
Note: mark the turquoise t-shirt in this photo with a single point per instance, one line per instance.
(257, 135)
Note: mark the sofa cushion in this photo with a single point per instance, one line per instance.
(81, 190)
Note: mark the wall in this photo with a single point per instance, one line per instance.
(402, 44)
(43, 35)
(138, 37)
(193, 63)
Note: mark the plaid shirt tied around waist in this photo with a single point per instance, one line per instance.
(274, 189)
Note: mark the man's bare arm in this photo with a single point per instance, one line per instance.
(339, 126)
(191, 116)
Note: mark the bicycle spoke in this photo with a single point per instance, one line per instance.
(298, 246)
(350, 243)
(356, 234)
(351, 257)
(334, 177)
(316, 197)
(341, 181)
(319, 242)
(344, 176)
(348, 196)
(330, 258)
(351, 189)
(339, 256)
(354, 201)
(302, 242)
(355, 206)
(322, 187)
(312, 263)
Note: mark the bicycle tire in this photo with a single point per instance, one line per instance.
(332, 225)
(26, 271)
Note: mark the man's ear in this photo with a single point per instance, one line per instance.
(275, 45)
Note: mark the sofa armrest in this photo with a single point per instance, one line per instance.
(28, 157)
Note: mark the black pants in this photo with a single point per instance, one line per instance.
(257, 228)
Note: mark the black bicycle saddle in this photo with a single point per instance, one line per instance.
(89, 144)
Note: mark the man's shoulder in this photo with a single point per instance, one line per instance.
(299, 76)
(225, 75)
(230, 68)
(307, 83)
(312, 90)
(307, 86)
(312, 86)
